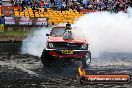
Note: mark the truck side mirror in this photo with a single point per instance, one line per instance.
(47, 34)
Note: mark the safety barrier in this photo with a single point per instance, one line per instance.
(8, 10)
(87, 11)
(10, 7)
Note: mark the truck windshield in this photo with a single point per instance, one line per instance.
(57, 31)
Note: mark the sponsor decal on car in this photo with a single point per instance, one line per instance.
(67, 51)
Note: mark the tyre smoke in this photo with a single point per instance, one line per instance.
(106, 32)
(35, 42)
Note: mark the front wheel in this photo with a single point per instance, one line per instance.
(45, 58)
(86, 60)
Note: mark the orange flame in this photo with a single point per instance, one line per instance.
(81, 71)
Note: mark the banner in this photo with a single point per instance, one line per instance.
(41, 21)
(9, 21)
(25, 21)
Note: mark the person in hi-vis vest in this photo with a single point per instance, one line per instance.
(1, 27)
(2, 22)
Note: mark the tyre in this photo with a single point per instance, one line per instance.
(86, 60)
(45, 58)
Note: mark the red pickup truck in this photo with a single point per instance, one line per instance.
(60, 47)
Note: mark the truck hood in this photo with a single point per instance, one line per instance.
(60, 39)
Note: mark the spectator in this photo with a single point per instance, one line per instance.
(23, 4)
(59, 6)
(129, 3)
(52, 1)
(100, 6)
(2, 22)
(26, 1)
(77, 8)
(110, 6)
(64, 6)
(41, 3)
(18, 3)
(29, 4)
(31, 1)
(1, 2)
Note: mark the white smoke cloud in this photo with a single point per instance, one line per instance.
(35, 42)
(106, 32)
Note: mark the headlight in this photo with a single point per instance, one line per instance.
(50, 45)
(84, 46)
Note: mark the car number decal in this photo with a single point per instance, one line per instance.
(67, 51)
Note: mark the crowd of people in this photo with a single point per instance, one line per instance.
(54, 4)
(107, 5)
(97, 5)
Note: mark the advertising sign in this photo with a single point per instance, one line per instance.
(9, 21)
(41, 22)
(25, 21)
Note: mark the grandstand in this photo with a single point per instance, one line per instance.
(55, 14)
(58, 11)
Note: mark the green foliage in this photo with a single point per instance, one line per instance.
(14, 33)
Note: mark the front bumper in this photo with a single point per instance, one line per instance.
(75, 54)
